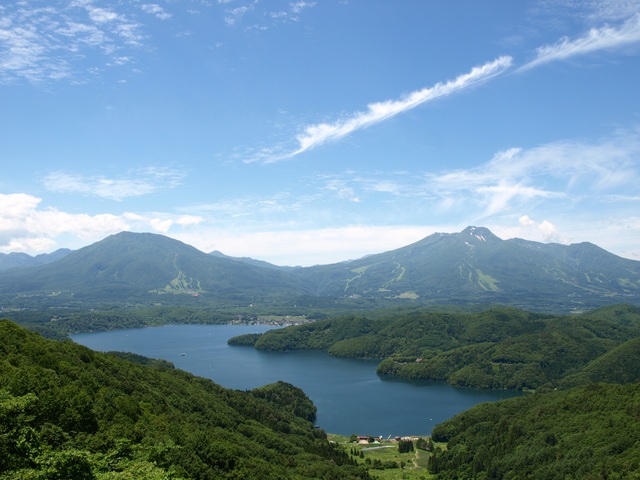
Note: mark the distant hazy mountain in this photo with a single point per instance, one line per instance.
(250, 261)
(18, 260)
(470, 267)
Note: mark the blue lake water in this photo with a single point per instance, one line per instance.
(349, 395)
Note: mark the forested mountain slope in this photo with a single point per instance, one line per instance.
(590, 432)
(67, 412)
(497, 348)
(475, 266)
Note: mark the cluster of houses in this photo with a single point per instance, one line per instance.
(366, 439)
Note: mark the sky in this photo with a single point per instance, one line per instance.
(312, 132)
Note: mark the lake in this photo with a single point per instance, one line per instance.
(350, 396)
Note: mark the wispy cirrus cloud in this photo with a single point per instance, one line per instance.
(562, 172)
(599, 10)
(252, 15)
(342, 190)
(603, 38)
(54, 42)
(564, 169)
(256, 207)
(135, 183)
(156, 10)
(292, 13)
(358, 186)
(234, 15)
(319, 134)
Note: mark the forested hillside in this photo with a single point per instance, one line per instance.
(498, 348)
(590, 432)
(67, 412)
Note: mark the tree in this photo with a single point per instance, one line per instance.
(405, 446)
(423, 444)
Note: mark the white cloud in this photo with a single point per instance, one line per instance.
(161, 225)
(156, 10)
(102, 15)
(15, 206)
(136, 183)
(28, 245)
(545, 230)
(24, 226)
(549, 230)
(604, 38)
(27, 227)
(316, 135)
(186, 220)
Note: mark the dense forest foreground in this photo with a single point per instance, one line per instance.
(586, 433)
(67, 412)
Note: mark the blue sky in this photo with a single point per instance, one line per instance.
(311, 132)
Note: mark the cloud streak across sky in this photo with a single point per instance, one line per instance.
(319, 134)
(596, 39)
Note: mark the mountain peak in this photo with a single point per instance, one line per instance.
(480, 233)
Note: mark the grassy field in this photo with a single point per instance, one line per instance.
(411, 465)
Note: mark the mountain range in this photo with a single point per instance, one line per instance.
(19, 259)
(470, 267)
(477, 266)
